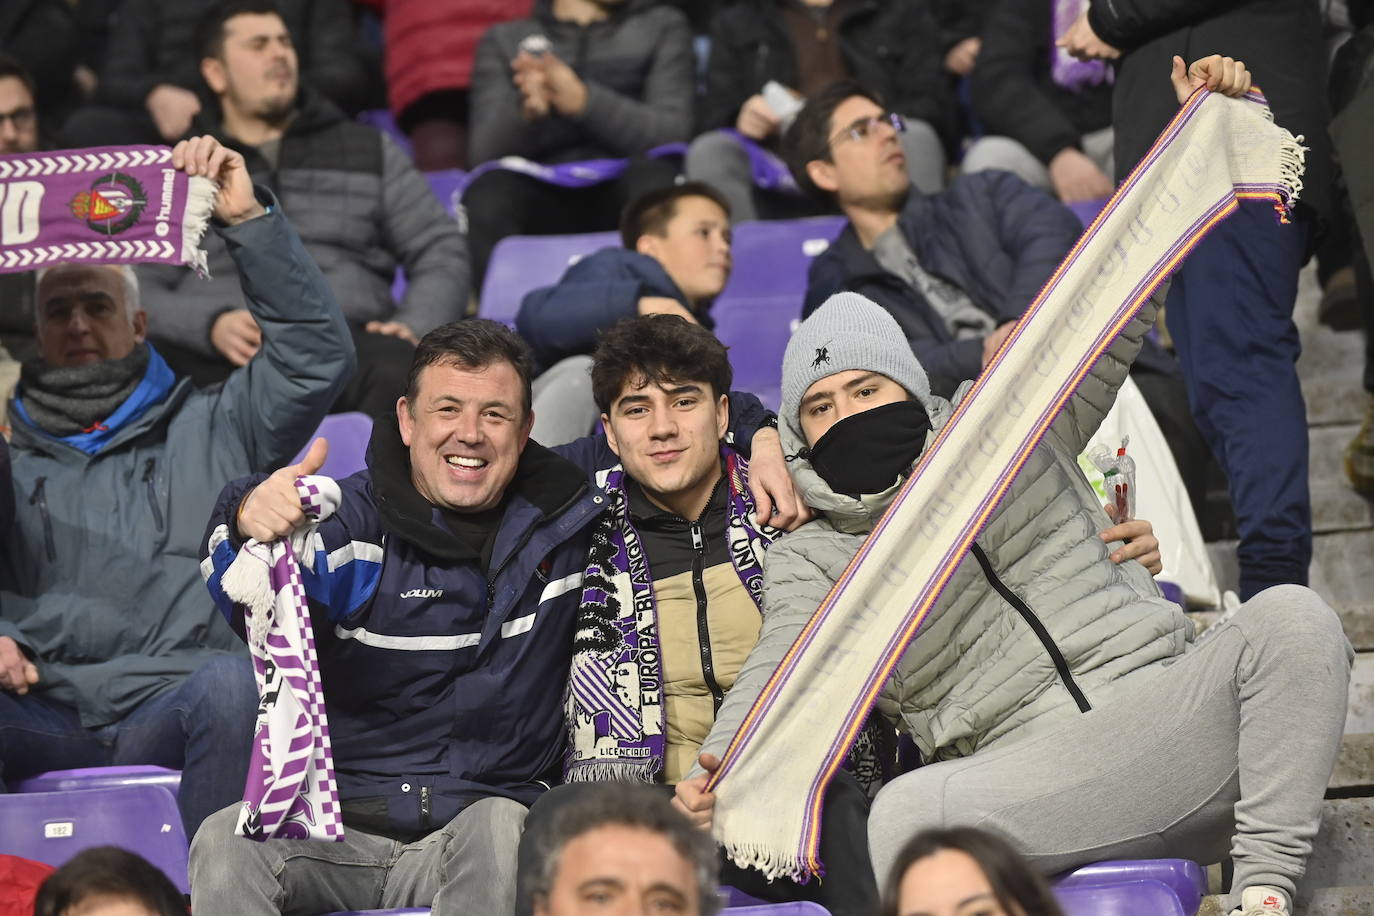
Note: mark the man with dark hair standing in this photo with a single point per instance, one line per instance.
(360, 206)
(675, 260)
(1230, 308)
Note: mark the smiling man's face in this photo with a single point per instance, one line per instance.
(465, 429)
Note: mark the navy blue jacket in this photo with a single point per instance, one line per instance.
(443, 683)
(564, 319)
(990, 234)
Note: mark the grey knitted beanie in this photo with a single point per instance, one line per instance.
(848, 331)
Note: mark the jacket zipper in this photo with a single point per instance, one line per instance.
(149, 467)
(708, 668)
(40, 499)
(1060, 664)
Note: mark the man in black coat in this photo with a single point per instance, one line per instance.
(1230, 308)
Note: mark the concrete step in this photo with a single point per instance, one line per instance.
(1329, 372)
(1354, 771)
(1359, 717)
(1335, 504)
(1343, 573)
(1343, 851)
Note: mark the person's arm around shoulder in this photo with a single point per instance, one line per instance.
(795, 584)
(592, 295)
(278, 399)
(426, 240)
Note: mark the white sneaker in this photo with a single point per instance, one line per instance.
(1261, 901)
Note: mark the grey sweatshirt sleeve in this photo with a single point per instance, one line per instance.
(182, 307)
(495, 126)
(427, 243)
(276, 401)
(1088, 406)
(664, 115)
(797, 576)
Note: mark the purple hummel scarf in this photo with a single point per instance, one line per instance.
(108, 204)
(1066, 70)
(291, 792)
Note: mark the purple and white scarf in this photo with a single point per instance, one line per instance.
(291, 792)
(103, 205)
(614, 704)
(1066, 70)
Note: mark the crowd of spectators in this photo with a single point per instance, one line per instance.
(455, 585)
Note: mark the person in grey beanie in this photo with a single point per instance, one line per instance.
(1053, 693)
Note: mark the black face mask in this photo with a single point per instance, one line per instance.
(866, 452)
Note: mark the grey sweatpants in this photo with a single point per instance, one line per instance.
(1229, 748)
(564, 408)
(466, 868)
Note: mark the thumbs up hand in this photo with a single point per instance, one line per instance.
(272, 509)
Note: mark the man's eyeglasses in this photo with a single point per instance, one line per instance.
(864, 128)
(21, 118)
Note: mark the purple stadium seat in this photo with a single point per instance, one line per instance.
(382, 119)
(522, 263)
(1134, 898)
(1187, 880)
(448, 187)
(348, 435)
(52, 827)
(780, 909)
(734, 898)
(100, 778)
(415, 911)
(755, 313)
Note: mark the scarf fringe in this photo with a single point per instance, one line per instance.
(247, 582)
(772, 862)
(615, 771)
(1292, 159)
(200, 203)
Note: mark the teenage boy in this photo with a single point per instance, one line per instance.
(671, 598)
(675, 259)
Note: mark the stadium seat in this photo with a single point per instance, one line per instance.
(1132, 898)
(448, 187)
(780, 909)
(348, 435)
(52, 827)
(413, 911)
(734, 897)
(1087, 210)
(383, 120)
(522, 263)
(100, 778)
(756, 312)
(1187, 880)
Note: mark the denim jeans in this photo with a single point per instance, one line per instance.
(202, 726)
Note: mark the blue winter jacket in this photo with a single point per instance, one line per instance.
(564, 319)
(990, 234)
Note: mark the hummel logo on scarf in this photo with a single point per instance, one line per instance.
(291, 792)
(104, 205)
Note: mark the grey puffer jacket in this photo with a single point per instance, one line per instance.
(361, 208)
(100, 577)
(978, 672)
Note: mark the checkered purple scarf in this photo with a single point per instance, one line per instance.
(291, 792)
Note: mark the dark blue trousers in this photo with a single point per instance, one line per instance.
(1230, 311)
(202, 726)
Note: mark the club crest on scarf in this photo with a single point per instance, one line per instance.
(113, 204)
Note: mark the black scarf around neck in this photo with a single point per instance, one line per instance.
(64, 401)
